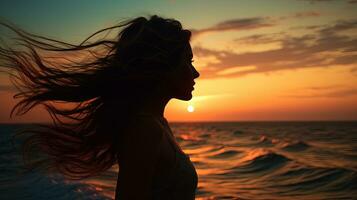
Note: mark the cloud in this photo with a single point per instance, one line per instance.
(340, 25)
(242, 24)
(300, 15)
(237, 25)
(324, 88)
(324, 92)
(207, 97)
(259, 38)
(317, 1)
(325, 47)
(236, 69)
(313, 1)
(307, 14)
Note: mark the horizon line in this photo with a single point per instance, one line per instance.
(210, 121)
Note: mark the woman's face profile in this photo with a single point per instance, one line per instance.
(183, 76)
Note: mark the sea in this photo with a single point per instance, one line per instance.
(234, 160)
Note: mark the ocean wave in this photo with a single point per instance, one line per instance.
(263, 163)
(295, 146)
(238, 132)
(313, 179)
(225, 154)
(264, 141)
(35, 186)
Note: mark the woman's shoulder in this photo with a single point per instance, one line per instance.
(142, 135)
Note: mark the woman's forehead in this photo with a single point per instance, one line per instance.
(188, 51)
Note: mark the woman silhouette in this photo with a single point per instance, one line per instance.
(108, 107)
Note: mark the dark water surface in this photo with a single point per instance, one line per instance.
(234, 160)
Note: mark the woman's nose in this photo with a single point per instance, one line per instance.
(195, 73)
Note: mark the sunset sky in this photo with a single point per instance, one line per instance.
(258, 59)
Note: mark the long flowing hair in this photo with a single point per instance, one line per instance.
(90, 89)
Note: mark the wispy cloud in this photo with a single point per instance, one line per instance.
(242, 24)
(237, 25)
(336, 91)
(300, 15)
(208, 97)
(317, 1)
(325, 47)
(324, 88)
(259, 38)
(313, 1)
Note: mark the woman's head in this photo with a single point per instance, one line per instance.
(90, 101)
(158, 51)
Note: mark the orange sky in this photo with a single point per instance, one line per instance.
(284, 61)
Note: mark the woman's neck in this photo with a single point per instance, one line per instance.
(154, 107)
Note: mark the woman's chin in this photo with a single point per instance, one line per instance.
(185, 97)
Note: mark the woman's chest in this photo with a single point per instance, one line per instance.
(167, 159)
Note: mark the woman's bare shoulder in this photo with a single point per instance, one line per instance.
(139, 158)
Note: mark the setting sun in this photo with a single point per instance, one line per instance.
(190, 108)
